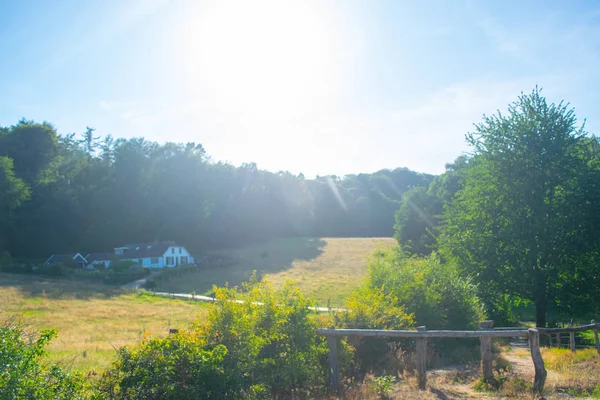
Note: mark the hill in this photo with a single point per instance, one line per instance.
(326, 268)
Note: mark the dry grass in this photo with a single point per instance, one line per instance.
(576, 374)
(92, 320)
(327, 268)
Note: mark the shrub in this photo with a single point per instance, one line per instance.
(435, 292)
(122, 265)
(240, 350)
(384, 385)
(22, 374)
(123, 276)
(5, 259)
(177, 367)
(372, 308)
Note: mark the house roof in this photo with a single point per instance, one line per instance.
(100, 257)
(144, 250)
(64, 258)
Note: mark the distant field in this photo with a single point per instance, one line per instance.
(327, 268)
(92, 320)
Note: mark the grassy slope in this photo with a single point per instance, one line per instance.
(327, 268)
(91, 320)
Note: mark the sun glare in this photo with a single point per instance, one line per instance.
(264, 59)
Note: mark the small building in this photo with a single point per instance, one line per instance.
(66, 259)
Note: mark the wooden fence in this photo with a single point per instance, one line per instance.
(485, 334)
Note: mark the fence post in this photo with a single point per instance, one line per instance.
(334, 368)
(538, 362)
(486, 352)
(572, 339)
(558, 340)
(596, 338)
(422, 359)
(550, 340)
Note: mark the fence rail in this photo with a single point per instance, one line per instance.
(485, 334)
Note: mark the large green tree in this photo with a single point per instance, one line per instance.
(522, 223)
(13, 191)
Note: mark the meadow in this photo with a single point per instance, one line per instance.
(328, 269)
(92, 320)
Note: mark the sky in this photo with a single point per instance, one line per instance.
(315, 87)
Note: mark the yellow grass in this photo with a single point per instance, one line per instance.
(326, 268)
(92, 320)
(576, 374)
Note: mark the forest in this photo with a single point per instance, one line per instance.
(86, 193)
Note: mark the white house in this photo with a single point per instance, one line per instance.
(153, 255)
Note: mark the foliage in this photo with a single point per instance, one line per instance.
(122, 265)
(267, 344)
(177, 367)
(435, 292)
(384, 385)
(416, 221)
(5, 259)
(89, 194)
(24, 376)
(371, 308)
(123, 277)
(525, 221)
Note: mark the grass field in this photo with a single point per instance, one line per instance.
(327, 268)
(92, 320)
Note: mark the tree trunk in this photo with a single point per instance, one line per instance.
(541, 308)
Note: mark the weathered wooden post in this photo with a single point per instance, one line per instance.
(558, 340)
(422, 359)
(486, 352)
(572, 339)
(334, 368)
(538, 362)
(596, 338)
(550, 340)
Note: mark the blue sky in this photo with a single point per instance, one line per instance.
(318, 87)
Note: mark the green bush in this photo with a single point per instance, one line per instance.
(24, 376)
(240, 350)
(436, 295)
(435, 292)
(371, 308)
(5, 259)
(177, 367)
(122, 277)
(122, 265)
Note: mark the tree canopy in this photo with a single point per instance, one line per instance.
(524, 221)
(89, 193)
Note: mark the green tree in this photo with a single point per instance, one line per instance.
(33, 148)
(417, 221)
(25, 375)
(13, 192)
(523, 214)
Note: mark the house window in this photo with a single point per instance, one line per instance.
(172, 250)
(180, 250)
(184, 260)
(140, 261)
(154, 260)
(170, 261)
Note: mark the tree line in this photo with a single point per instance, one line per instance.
(86, 193)
(520, 214)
